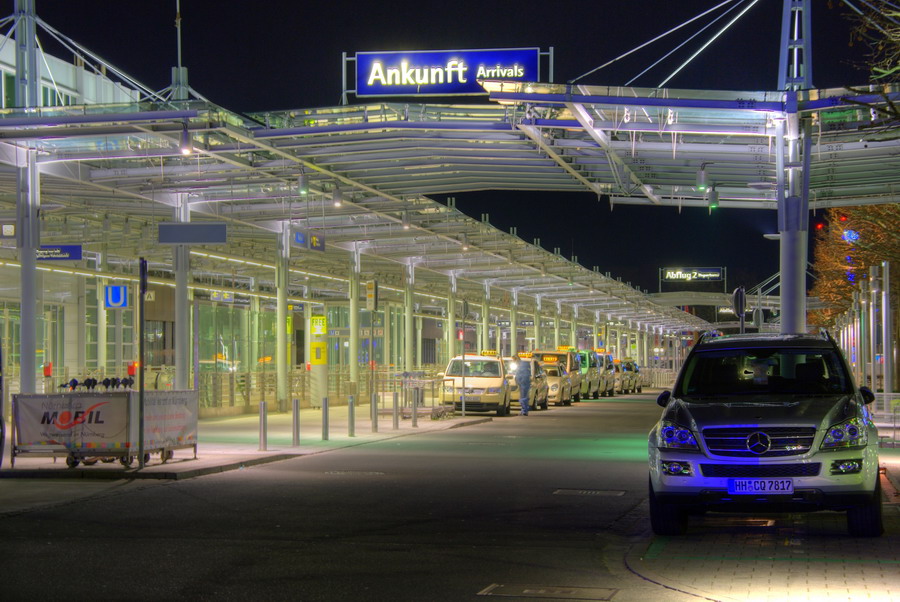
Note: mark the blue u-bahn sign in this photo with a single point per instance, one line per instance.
(115, 297)
(441, 72)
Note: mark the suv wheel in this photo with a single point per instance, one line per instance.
(865, 520)
(667, 519)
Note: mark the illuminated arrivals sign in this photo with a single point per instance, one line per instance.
(441, 72)
(692, 274)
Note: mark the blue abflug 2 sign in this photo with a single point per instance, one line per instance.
(441, 72)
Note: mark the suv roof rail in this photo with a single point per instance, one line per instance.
(710, 334)
(825, 334)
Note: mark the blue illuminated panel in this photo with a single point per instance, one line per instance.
(441, 72)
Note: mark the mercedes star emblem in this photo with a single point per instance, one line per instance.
(758, 443)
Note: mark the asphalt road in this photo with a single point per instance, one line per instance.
(546, 500)
(548, 506)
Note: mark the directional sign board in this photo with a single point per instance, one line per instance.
(59, 252)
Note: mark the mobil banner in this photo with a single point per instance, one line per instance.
(72, 420)
(85, 421)
(170, 418)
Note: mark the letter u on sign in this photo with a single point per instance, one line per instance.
(116, 297)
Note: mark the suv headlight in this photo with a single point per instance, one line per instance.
(675, 436)
(848, 434)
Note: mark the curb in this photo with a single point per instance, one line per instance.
(135, 474)
(131, 474)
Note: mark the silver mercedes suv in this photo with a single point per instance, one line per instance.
(765, 423)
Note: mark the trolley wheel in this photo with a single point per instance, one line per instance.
(71, 461)
(90, 461)
(126, 461)
(146, 458)
(166, 455)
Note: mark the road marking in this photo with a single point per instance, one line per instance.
(359, 472)
(595, 492)
(546, 591)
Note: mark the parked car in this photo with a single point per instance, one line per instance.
(765, 423)
(484, 379)
(559, 384)
(537, 395)
(607, 373)
(631, 376)
(570, 360)
(591, 379)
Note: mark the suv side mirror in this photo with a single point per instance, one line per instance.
(867, 395)
(663, 399)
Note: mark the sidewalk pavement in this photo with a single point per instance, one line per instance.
(234, 442)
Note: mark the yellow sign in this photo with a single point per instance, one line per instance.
(318, 325)
(318, 353)
(550, 359)
(599, 349)
(525, 354)
(565, 348)
(489, 352)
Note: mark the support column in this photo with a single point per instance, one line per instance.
(556, 326)
(408, 319)
(282, 270)
(28, 199)
(887, 329)
(354, 320)
(595, 331)
(862, 333)
(485, 314)
(418, 359)
(793, 220)
(514, 323)
(573, 337)
(182, 261)
(537, 322)
(874, 298)
(450, 333)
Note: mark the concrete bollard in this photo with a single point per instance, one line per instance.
(295, 419)
(396, 411)
(351, 418)
(263, 427)
(374, 408)
(415, 406)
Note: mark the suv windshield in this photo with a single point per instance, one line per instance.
(763, 370)
(474, 368)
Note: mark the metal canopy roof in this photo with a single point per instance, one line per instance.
(110, 173)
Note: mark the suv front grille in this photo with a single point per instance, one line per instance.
(750, 471)
(785, 440)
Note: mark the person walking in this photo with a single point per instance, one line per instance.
(523, 380)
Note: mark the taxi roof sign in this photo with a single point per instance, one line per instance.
(525, 354)
(565, 348)
(489, 352)
(600, 349)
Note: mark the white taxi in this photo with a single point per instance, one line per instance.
(479, 381)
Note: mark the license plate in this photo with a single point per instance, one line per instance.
(472, 398)
(760, 486)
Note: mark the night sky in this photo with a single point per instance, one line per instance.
(273, 55)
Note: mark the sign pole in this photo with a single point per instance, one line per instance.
(142, 290)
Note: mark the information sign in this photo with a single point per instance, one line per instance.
(59, 252)
(115, 297)
(441, 72)
(692, 274)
